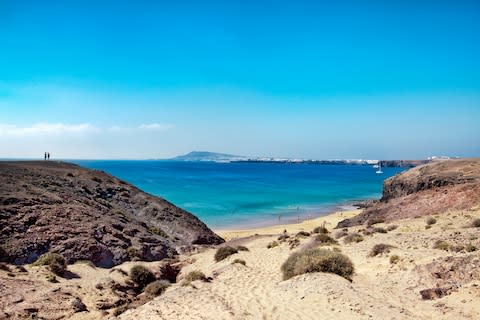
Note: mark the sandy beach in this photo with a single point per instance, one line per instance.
(379, 289)
(330, 221)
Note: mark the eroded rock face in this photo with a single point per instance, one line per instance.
(87, 215)
(425, 190)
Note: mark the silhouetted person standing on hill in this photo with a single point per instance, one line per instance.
(45, 156)
(48, 155)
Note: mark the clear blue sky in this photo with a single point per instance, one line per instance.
(310, 79)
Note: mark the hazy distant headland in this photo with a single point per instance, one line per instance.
(227, 158)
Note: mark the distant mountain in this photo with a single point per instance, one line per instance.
(209, 156)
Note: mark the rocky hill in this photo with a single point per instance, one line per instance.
(428, 189)
(88, 215)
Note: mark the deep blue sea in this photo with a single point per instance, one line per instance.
(236, 195)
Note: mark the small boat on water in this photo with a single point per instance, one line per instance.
(379, 171)
(376, 166)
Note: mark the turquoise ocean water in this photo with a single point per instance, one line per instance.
(236, 195)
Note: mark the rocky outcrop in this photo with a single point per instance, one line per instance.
(88, 215)
(428, 189)
(403, 163)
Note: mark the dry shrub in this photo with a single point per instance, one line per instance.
(325, 240)
(392, 227)
(302, 234)
(283, 237)
(242, 248)
(470, 248)
(169, 272)
(195, 275)
(431, 220)
(373, 221)
(380, 248)
(224, 252)
(156, 288)
(476, 223)
(55, 262)
(441, 245)
(321, 229)
(341, 234)
(272, 244)
(394, 259)
(239, 261)
(354, 237)
(317, 260)
(141, 275)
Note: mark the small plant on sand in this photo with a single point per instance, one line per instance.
(380, 249)
(283, 237)
(52, 278)
(354, 237)
(242, 248)
(240, 261)
(302, 234)
(317, 260)
(54, 262)
(441, 245)
(476, 223)
(325, 240)
(141, 275)
(156, 288)
(379, 230)
(431, 220)
(394, 259)
(392, 227)
(340, 234)
(470, 248)
(119, 310)
(321, 229)
(428, 227)
(375, 220)
(224, 252)
(4, 267)
(195, 275)
(272, 244)
(169, 272)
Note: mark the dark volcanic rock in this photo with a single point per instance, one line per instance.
(87, 215)
(424, 190)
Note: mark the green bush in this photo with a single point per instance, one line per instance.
(224, 252)
(141, 275)
(54, 262)
(156, 288)
(354, 237)
(321, 229)
(325, 240)
(380, 248)
(317, 260)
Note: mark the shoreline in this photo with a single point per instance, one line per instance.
(330, 221)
